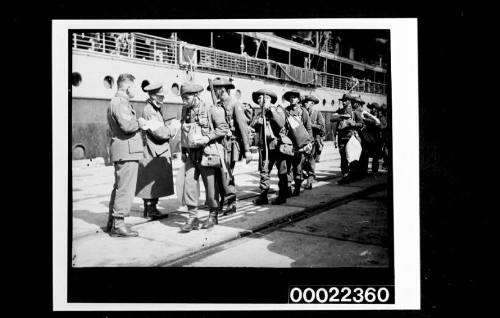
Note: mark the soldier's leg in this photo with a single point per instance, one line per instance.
(281, 163)
(312, 161)
(191, 194)
(344, 164)
(191, 183)
(265, 167)
(319, 149)
(150, 209)
(289, 175)
(212, 177)
(208, 175)
(123, 195)
(362, 170)
(310, 165)
(375, 163)
(297, 163)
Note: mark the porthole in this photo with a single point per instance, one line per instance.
(76, 79)
(144, 84)
(108, 81)
(78, 152)
(175, 89)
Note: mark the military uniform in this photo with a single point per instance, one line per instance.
(318, 131)
(371, 143)
(295, 163)
(345, 129)
(237, 142)
(268, 135)
(155, 178)
(126, 151)
(201, 115)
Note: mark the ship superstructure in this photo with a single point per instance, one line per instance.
(314, 62)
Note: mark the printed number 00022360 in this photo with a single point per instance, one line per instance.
(340, 294)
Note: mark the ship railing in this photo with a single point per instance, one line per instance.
(231, 62)
(291, 73)
(166, 51)
(132, 45)
(345, 83)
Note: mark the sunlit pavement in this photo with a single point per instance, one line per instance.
(160, 241)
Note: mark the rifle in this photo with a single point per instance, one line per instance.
(266, 161)
(221, 155)
(356, 83)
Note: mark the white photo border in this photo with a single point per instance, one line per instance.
(405, 140)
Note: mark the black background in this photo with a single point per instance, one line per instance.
(456, 235)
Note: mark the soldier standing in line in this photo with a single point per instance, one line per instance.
(237, 143)
(202, 125)
(318, 130)
(155, 178)
(370, 135)
(346, 128)
(267, 131)
(361, 124)
(126, 151)
(295, 163)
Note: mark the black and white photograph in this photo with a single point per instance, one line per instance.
(199, 148)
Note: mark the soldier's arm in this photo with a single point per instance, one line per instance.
(335, 117)
(241, 121)
(162, 133)
(307, 123)
(183, 120)
(126, 120)
(221, 128)
(322, 122)
(278, 116)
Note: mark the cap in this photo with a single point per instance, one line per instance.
(155, 88)
(190, 87)
(221, 82)
(311, 98)
(358, 99)
(347, 97)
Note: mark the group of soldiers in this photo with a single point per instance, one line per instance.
(214, 136)
(369, 128)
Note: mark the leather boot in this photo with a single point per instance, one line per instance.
(120, 229)
(279, 200)
(346, 178)
(109, 225)
(296, 190)
(261, 199)
(289, 192)
(146, 208)
(191, 224)
(231, 209)
(212, 220)
(308, 185)
(229, 199)
(152, 210)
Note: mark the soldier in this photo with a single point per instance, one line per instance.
(126, 151)
(202, 125)
(361, 122)
(318, 130)
(267, 137)
(237, 143)
(345, 129)
(370, 137)
(295, 163)
(155, 172)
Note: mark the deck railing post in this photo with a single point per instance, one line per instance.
(103, 42)
(154, 50)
